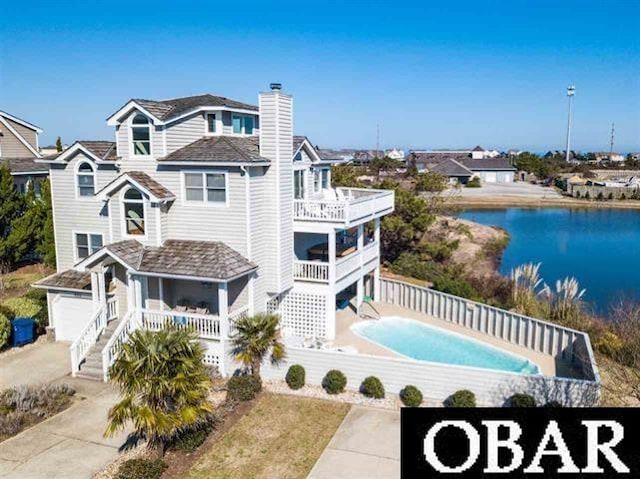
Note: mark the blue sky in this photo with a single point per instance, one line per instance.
(446, 74)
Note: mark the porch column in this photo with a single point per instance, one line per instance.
(376, 230)
(102, 288)
(223, 309)
(95, 290)
(331, 248)
(359, 294)
(376, 272)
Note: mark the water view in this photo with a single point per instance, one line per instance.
(600, 247)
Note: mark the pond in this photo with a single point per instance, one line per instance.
(599, 247)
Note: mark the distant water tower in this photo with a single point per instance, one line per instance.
(571, 91)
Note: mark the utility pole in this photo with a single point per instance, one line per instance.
(613, 130)
(571, 91)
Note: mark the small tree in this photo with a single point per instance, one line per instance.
(11, 207)
(59, 145)
(46, 247)
(164, 386)
(255, 337)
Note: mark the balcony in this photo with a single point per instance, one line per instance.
(351, 206)
(319, 271)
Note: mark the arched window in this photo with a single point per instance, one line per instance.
(134, 212)
(141, 135)
(86, 180)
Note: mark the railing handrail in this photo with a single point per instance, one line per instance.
(88, 337)
(173, 312)
(311, 262)
(117, 335)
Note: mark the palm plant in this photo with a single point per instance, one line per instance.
(164, 386)
(526, 281)
(254, 338)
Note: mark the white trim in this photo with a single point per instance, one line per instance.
(218, 127)
(125, 110)
(145, 211)
(314, 153)
(118, 182)
(194, 278)
(76, 147)
(31, 126)
(76, 258)
(30, 173)
(204, 202)
(158, 224)
(76, 173)
(242, 111)
(20, 137)
(242, 131)
(55, 230)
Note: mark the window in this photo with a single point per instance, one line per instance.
(211, 122)
(86, 180)
(298, 184)
(316, 181)
(134, 212)
(141, 135)
(209, 187)
(325, 179)
(87, 244)
(242, 124)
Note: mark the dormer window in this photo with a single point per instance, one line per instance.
(134, 212)
(211, 122)
(242, 125)
(141, 135)
(86, 180)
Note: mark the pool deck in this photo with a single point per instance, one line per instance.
(345, 337)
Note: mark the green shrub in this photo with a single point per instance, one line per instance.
(334, 382)
(5, 330)
(372, 387)
(191, 439)
(141, 469)
(243, 388)
(552, 404)
(23, 307)
(411, 396)
(295, 376)
(474, 182)
(623, 196)
(462, 398)
(522, 400)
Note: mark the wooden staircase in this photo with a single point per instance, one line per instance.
(91, 367)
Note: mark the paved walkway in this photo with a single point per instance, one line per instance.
(366, 445)
(69, 445)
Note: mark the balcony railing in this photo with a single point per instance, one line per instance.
(205, 325)
(318, 271)
(352, 205)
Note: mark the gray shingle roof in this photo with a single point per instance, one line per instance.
(105, 150)
(23, 165)
(203, 259)
(168, 109)
(450, 167)
(70, 279)
(497, 163)
(298, 140)
(219, 148)
(144, 180)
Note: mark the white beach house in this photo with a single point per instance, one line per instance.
(202, 210)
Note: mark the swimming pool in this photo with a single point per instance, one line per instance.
(423, 342)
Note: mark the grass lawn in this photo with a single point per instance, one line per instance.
(280, 437)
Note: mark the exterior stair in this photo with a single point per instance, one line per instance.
(91, 367)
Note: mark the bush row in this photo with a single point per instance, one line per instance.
(32, 305)
(335, 382)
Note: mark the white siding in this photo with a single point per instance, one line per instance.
(261, 244)
(71, 214)
(184, 132)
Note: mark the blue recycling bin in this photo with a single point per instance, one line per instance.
(22, 331)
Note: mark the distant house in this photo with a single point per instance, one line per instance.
(395, 154)
(609, 157)
(19, 150)
(460, 167)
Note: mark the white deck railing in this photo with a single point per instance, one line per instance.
(88, 337)
(356, 205)
(129, 323)
(317, 271)
(112, 308)
(205, 325)
(348, 264)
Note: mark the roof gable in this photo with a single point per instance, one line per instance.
(98, 150)
(140, 180)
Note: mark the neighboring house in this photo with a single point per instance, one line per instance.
(51, 150)
(202, 211)
(395, 154)
(19, 149)
(460, 166)
(605, 156)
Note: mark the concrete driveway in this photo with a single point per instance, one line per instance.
(519, 189)
(366, 445)
(69, 445)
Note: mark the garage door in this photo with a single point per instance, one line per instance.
(70, 315)
(490, 177)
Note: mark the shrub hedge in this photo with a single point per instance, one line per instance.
(411, 396)
(462, 398)
(5, 329)
(295, 377)
(141, 469)
(334, 382)
(372, 387)
(522, 400)
(243, 388)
